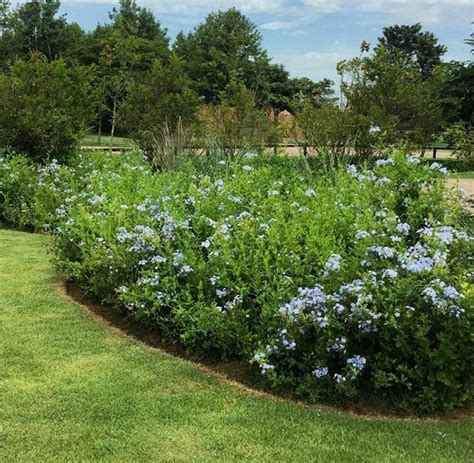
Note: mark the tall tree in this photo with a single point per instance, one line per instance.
(454, 84)
(225, 48)
(122, 52)
(35, 27)
(408, 45)
(133, 20)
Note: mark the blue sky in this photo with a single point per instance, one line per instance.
(308, 36)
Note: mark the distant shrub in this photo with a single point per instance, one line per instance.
(46, 108)
(335, 132)
(461, 139)
(349, 285)
(236, 124)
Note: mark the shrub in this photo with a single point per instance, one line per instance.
(46, 108)
(461, 139)
(393, 97)
(347, 285)
(335, 132)
(236, 124)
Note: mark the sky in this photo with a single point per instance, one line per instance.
(308, 36)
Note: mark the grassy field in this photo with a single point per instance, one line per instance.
(72, 389)
(468, 174)
(118, 142)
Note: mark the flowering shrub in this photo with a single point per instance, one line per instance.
(353, 284)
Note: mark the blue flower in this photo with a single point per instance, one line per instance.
(390, 273)
(383, 252)
(333, 263)
(403, 228)
(321, 372)
(221, 292)
(357, 362)
(384, 162)
(266, 367)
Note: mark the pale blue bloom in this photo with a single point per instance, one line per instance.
(266, 367)
(221, 292)
(157, 260)
(357, 362)
(333, 263)
(321, 372)
(383, 252)
(383, 181)
(361, 234)
(96, 199)
(451, 293)
(412, 159)
(352, 170)
(384, 162)
(339, 345)
(403, 228)
(390, 273)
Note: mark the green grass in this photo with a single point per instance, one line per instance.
(117, 142)
(72, 389)
(468, 174)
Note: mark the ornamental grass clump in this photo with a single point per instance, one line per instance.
(349, 285)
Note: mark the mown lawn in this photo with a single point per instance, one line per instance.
(468, 174)
(74, 390)
(119, 142)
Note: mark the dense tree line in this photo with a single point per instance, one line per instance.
(219, 79)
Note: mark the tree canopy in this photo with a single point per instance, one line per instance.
(408, 44)
(226, 47)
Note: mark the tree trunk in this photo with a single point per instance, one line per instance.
(99, 136)
(112, 129)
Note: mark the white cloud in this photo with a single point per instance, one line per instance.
(314, 64)
(428, 12)
(281, 13)
(200, 6)
(324, 6)
(278, 25)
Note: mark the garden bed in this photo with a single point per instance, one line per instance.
(334, 282)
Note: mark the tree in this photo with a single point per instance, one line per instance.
(225, 48)
(454, 85)
(277, 91)
(163, 97)
(132, 20)
(318, 94)
(35, 27)
(121, 52)
(46, 107)
(408, 45)
(393, 97)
